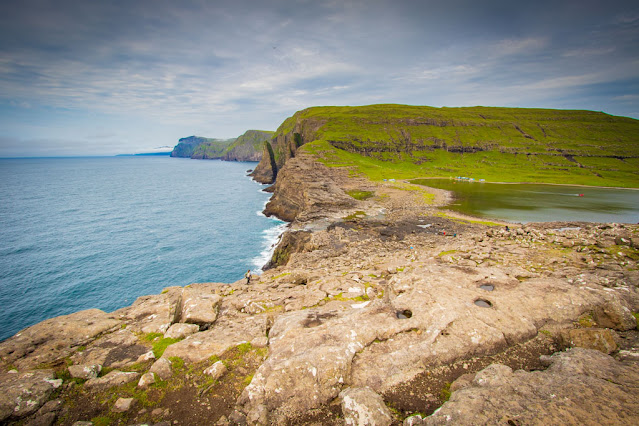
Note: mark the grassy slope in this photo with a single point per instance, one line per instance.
(511, 144)
(213, 148)
(253, 138)
(252, 141)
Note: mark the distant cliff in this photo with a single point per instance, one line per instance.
(248, 147)
(211, 149)
(187, 146)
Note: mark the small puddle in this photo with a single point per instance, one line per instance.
(487, 287)
(483, 303)
(405, 314)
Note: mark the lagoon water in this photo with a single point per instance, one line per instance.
(79, 233)
(540, 203)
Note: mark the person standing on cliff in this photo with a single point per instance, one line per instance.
(248, 276)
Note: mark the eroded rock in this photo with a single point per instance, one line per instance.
(216, 370)
(24, 393)
(162, 367)
(581, 386)
(180, 330)
(199, 307)
(55, 338)
(85, 371)
(117, 350)
(114, 378)
(362, 406)
(602, 340)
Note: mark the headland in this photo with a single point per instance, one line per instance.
(377, 308)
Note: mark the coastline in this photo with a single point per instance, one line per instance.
(339, 296)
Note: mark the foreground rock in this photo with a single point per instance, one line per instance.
(580, 387)
(22, 394)
(362, 406)
(55, 338)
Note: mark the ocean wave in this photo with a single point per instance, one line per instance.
(271, 237)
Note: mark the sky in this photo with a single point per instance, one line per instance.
(110, 77)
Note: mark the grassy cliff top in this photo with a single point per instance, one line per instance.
(492, 143)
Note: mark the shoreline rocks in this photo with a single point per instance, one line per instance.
(368, 304)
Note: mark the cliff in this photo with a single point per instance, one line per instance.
(187, 146)
(211, 149)
(247, 147)
(511, 144)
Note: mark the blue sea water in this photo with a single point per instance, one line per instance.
(79, 233)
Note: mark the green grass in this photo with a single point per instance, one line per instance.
(354, 216)
(495, 144)
(445, 393)
(160, 346)
(360, 195)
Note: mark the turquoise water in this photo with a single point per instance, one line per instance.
(540, 203)
(79, 233)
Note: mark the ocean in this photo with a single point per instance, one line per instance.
(97, 232)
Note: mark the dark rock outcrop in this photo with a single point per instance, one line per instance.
(290, 136)
(305, 190)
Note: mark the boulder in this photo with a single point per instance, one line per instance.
(152, 314)
(162, 367)
(581, 386)
(146, 380)
(122, 405)
(55, 338)
(228, 331)
(85, 371)
(148, 356)
(114, 378)
(362, 406)
(24, 393)
(216, 370)
(199, 306)
(181, 330)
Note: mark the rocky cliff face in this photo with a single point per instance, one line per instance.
(186, 146)
(304, 190)
(211, 149)
(291, 135)
(247, 147)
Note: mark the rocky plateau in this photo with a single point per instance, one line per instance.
(388, 310)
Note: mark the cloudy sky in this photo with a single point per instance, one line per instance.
(107, 77)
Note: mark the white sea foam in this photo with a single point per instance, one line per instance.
(271, 237)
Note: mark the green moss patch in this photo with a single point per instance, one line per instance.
(361, 195)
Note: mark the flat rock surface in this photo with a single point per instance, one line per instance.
(581, 386)
(55, 338)
(116, 350)
(114, 378)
